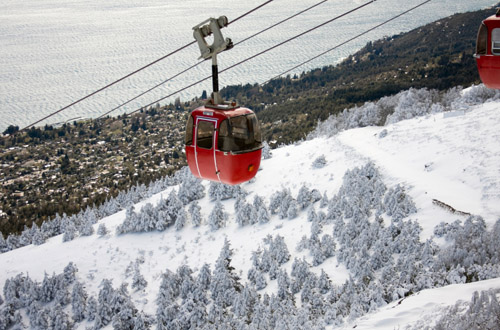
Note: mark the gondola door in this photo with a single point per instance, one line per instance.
(205, 148)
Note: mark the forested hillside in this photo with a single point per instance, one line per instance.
(352, 223)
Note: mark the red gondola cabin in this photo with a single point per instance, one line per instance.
(488, 51)
(223, 144)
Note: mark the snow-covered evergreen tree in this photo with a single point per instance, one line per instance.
(218, 217)
(246, 214)
(194, 211)
(3, 244)
(292, 210)
(304, 197)
(275, 202)
(191, 188)
(263, 215)
(398, 204)
(38, 237)
(104, 312)
(59, 319)
(138, 281)
(91, 309)
(78, 302)
(279, 250)
(319, 162)
(70, 231)
(266, 151)
(300, 271)
(180, 222)
(225, 283)
(87, 228)
(204, 277)
(69, 273)
(102, 230)
(123, 309)
(26, 237)
(220, 191)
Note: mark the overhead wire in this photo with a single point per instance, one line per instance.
(243, 61)
(108, 85)
(347, 41)
(259, 54)
(136, 71)
(195, 65)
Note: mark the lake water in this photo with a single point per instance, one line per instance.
(54, 52)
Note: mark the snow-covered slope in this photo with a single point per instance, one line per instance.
(450, 157)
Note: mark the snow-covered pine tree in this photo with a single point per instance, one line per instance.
(204, 277)
(244, 303)
(286, 201)
(78, 302)
(246, 214)
(275, 201)
(26, 237)
(3, 244)
(70, 231)
(191, 188)
(398, 204)
(218, 217)
(266, 151)
(102, 230)
(225, 283)
(324, 200)
(300, 271)
(180, 222)
(319, 162)
(292, 211)
(220, 191)
(38, 237)
(173, 207)
(279, 250)
(124, 311)
(195, 212)
(59, 319)
(186, 280)
(87, 228)
(263, 215)
(104, 312)
(311, 214)
(304, 197)
(91, 309)
(48, 288)
(69, 273)
(138, 281)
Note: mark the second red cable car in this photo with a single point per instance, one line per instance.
(488, 51)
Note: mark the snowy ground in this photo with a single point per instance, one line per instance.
(451, 157)
(55, 52)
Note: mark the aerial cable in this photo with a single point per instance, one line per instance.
(149, 90)
(109, 85)
(258, 54)
(195, 65)
(136, 71)
(347, 41)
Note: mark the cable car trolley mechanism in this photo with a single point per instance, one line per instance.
(223, 140)
(488, 51)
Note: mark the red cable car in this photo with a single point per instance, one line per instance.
(223, 144)
(223, 141)
(488, 51)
